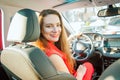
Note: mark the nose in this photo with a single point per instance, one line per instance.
(55, 29)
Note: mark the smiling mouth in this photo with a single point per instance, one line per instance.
(55, 36)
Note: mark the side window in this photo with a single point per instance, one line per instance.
(1, 44)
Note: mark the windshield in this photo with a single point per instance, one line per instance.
(85, 20)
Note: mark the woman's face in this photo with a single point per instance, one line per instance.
(51, 28)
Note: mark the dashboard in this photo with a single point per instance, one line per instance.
(112, 45)
(108, 44)
(112, 41)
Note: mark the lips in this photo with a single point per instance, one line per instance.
(55, 36)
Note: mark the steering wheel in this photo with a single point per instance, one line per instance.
(82, 47)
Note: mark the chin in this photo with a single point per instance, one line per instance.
(55, 40)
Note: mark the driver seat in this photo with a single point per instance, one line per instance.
(23, 61)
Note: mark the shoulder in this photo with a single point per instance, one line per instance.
(52, 52)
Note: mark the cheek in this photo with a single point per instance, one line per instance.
(46, 31)
(60, 29)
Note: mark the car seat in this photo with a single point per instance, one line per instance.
(112, 72)
(23, 61)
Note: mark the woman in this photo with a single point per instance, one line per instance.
(53, 41)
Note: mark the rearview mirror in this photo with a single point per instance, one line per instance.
(110, 11)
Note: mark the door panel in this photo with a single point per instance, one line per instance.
(3, 75)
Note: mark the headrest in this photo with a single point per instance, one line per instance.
(24, 26)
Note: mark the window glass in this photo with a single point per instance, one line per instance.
(86, 20)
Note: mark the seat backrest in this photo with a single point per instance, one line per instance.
(112, 72)
(23, 61)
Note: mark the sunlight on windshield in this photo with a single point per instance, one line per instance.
(86, 20)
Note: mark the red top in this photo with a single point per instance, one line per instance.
(54, 50)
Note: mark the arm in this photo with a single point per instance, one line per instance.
(81, 72)
(60, 66)
(58, 63)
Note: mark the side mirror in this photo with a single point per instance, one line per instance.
(110, 11)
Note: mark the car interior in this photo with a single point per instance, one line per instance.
(28, 62)
(99, 43)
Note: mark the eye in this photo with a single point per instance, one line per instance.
(49, 26)
(58, 25)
